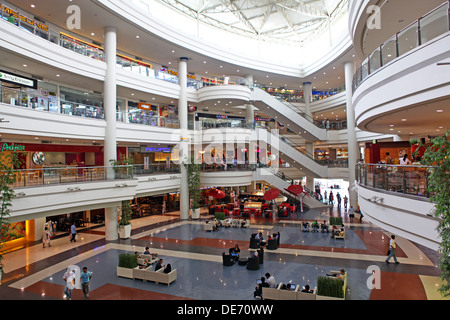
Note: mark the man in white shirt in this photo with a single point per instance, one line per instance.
(271, 280)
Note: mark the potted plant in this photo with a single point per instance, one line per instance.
(194, 188)
(123, 168)
(330, 288)
(125, 220)
(127, 262)
(335, 221)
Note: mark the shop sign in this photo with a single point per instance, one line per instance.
(155, 149)
(27, 20)
(144, 106)
(12, 78)
(12, 147)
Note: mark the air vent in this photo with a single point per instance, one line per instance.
(96, 144)
(97, 92)
(97, 43)
(137, 58)
(37, 77)
(46, 142)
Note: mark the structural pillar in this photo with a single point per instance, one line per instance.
(109, 105)
(184, 143)
(353, 152)
(309, 147)
(307, 95)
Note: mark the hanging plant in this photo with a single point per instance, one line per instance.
(437, 154)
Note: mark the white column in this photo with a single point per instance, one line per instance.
(109, 105)
(184, 144)
(110, 98)
(310, 151)
(307, 94)
(353, 148)
(111, 225)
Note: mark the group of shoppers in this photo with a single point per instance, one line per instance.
(70, 281)
(268, 281)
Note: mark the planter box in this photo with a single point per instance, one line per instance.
(125, 231)
(195, 214)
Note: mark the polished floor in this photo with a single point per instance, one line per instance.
(35, 273)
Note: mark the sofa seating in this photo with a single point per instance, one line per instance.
(208, 227)
(253, 243)
(155, 276)
(271, 293)
(227, 259)
(253, 263)
(279, 294)
(272, 244)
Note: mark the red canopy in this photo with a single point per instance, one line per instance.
(217, 193)
(295, 189)
(271, 194)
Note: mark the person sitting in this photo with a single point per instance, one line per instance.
(324, 226)
(260, 239)
(306, 289)
(235, 253)
(159, 265)
(141, 265)
(168, 269)
(147, 250)
(305, 226)
(243, 223)
(228, 222)
(258, 290)
(315, 226)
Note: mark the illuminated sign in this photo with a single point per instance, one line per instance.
(144, 106)
(13, 147)
(12, 78)
(22, 18)
(155, 149)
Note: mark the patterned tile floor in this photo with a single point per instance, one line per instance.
(35, 273)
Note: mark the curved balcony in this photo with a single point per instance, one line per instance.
(395, 198)
(225, 92)
(425, 29)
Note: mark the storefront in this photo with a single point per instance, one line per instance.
(38, 156)
(18, 90)
(375, 152)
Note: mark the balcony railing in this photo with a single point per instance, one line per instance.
(412, 180)
(72, 174)
(421, 31)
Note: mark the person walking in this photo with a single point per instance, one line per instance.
(69, 278)
(345, 202)
(73, 232)
(46, 238)
(392, 246)
(85, 278)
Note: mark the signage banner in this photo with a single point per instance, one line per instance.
(23, 81)
(155, 149)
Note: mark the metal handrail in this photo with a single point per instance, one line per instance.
(359, 77)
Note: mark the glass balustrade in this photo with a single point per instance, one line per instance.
(71, 174)
(412, 180)
(419, 32)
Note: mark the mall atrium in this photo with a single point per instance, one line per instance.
(190, 127)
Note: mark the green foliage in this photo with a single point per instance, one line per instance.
(194, 184)
(123, 167)
(330, 287)
(128, 260)
(126, 214)
(437, 154)
(219, 215)
(7, 179)
(335, 221)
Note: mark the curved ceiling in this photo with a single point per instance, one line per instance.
(269, 20)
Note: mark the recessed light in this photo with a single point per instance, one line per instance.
(391, 125)
(439, 110)
(25, 65)
(92, 34)
(137, 37)
(58, 75)
(33, 6)
(403, 119)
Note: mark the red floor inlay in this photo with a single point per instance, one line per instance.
(399, 286)
(105, 292)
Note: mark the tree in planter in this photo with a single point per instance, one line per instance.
(125, 216)
(7, 179)
(437, 154)
(194, 184)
